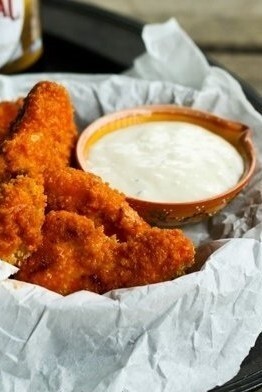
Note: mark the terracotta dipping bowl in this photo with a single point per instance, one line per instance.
(172, 214)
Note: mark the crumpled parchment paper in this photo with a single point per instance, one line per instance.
(186, 335)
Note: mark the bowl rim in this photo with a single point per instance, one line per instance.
(148, 110)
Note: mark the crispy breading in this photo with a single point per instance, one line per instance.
(4, 174)
(99, 242)
(45, 133)
(8, 113)
(75, 255)
(22, 204)
(74, 190)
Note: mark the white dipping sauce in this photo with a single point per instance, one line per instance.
(166, 161)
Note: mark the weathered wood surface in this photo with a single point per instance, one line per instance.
(231, 31)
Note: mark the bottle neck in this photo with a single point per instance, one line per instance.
(29, 45)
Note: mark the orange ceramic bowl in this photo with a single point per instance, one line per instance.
(173, 214)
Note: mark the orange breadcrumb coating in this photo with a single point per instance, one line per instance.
(8, 113)
(42, 136)
(75, 255)
(99, 243)
(74, 190)
(22, 204)
(4, 174)
(45, 132)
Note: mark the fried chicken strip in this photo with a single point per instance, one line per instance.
(22, 204)
(44, 134)
(86, 194)
(75, 255)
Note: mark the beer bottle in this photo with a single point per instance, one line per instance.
(20, 35)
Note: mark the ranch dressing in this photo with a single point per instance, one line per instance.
(166, 161)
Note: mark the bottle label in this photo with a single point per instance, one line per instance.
(11, 24)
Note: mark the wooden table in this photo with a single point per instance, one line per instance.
(228, 31)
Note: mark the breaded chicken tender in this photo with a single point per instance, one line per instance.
(75, 255)
(86, 194)
(44, 134)
(22, 204)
